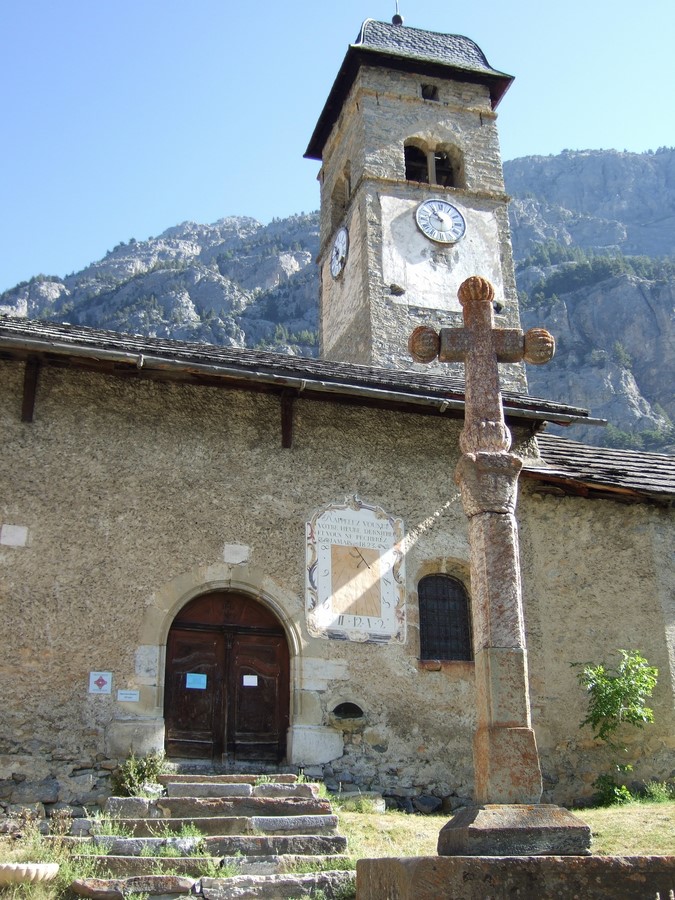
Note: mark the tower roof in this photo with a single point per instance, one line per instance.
(410, 50)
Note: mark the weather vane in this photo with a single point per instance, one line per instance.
(397, 19)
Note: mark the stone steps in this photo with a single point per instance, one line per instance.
(217, 846)
(196, 778)
(243, 887)
(193, 808)
(222, 825)
(196, 866)
(259, 831)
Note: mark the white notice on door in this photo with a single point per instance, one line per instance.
(250, 681)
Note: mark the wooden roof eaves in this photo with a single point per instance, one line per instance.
(164, 368)
(574, 485)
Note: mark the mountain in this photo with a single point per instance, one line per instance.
(236, 283)
(593, 235)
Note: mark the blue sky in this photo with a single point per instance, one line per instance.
(120, 119)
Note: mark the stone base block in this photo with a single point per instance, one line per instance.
(506, 766)
(503, 878)
(310, 745)
(140, 735)
(514, 830)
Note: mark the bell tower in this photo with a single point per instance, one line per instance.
(412, 193)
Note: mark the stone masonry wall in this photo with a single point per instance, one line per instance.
(414, 282)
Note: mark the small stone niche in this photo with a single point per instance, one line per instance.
(347, 717)
(348, 710)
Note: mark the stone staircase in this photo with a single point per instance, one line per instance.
(221, 837)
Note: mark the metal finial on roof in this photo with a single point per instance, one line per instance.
(397, 19)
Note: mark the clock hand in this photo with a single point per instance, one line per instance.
(443, 218)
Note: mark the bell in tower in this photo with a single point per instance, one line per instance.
(412, 193)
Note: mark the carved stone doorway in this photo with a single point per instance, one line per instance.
(226, 688)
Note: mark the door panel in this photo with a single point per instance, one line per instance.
(194, 696)
(242, 707)
(259, 680)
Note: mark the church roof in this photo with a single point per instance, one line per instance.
(566, 466)
(410, 50)
(160, 358)
(572, 467)
(450, 49)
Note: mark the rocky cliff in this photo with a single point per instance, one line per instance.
(235, 282)
(594, 238)
(592, 233)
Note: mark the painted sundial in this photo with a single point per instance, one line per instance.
(355, 575)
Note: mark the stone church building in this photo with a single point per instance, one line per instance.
(260, 560)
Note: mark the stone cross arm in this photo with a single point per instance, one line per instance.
(481, 346)
(479, 336)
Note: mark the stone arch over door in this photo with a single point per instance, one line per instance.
(226, 686)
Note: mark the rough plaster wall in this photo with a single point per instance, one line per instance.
(593, 584)
(126, 485)
(345, 319)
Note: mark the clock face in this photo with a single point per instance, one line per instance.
(338, 254)
(440, 221)
(355, 576)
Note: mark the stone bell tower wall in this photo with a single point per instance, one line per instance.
(395, 279)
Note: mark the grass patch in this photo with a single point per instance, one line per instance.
(104, 826)
(640, 828)
(352, 802)
(306, 867)
(391, 833)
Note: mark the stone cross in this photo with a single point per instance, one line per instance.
(506, 761)
(481, 347)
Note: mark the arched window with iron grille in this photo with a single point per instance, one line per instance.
(445, 624)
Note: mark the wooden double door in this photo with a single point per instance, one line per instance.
(226, 686)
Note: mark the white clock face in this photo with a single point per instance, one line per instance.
(338, 254)
(440, 221)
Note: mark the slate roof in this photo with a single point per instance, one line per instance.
(450, 49)
(577, 468)
(566, 466)
(61, 343)
(410, 50)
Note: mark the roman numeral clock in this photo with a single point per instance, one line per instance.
(440, 221)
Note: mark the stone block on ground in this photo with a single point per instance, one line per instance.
(514, 830)
(427, 804)
(201, 789)
(200, 807)
(294, 824)
(503, 878)
(277, 887)
(305, 791)
(276, 845)
(118, 888)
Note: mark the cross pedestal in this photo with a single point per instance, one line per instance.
(508, 818)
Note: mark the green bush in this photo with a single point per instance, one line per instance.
(609, 793)
(136, 772)
(617, 698)
(658, 792)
